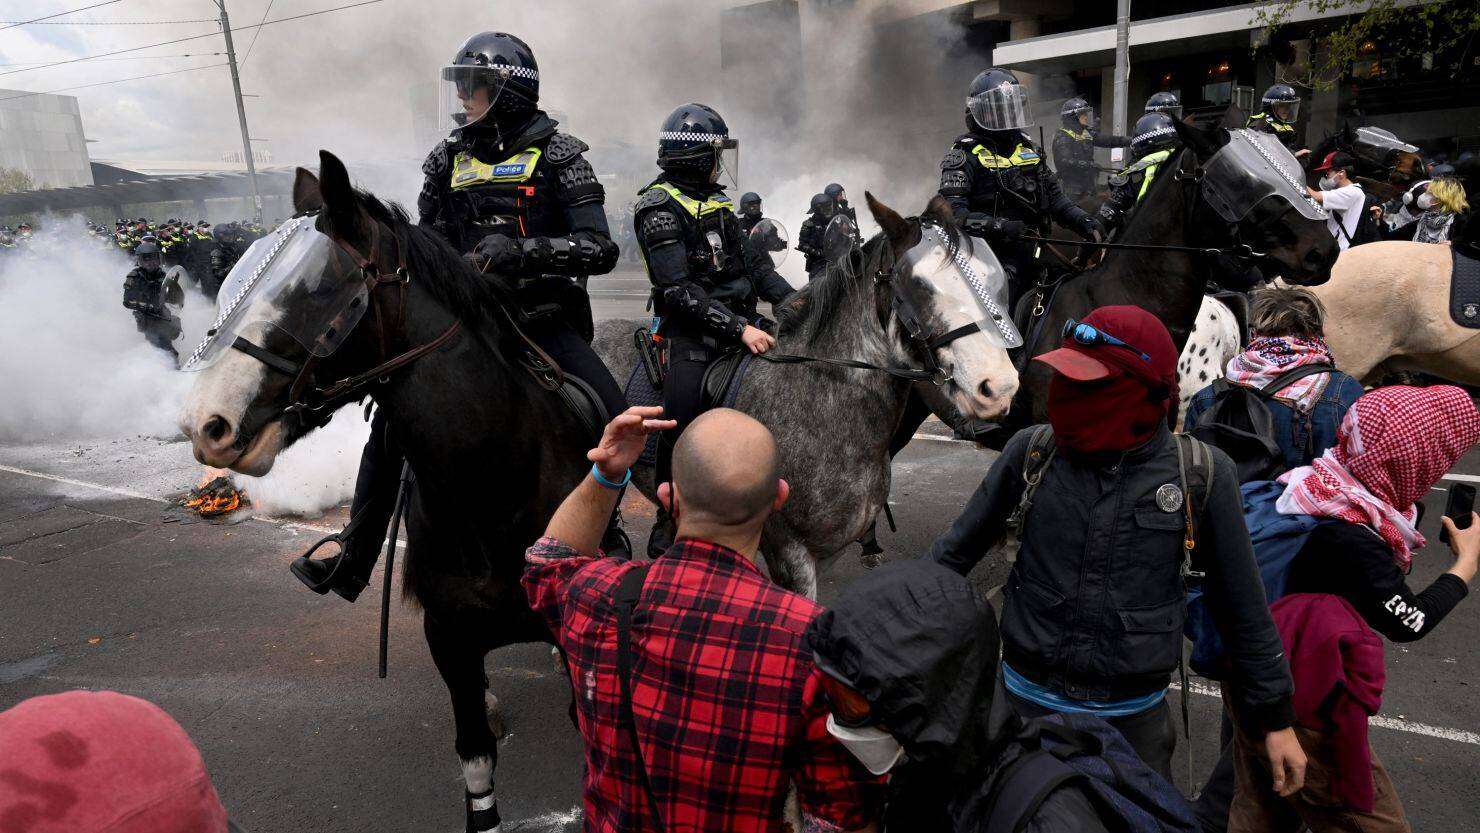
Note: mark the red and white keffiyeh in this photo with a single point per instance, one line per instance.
(1394, 444)
(1268, 357)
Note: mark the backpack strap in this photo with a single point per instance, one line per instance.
(1202, 460)
(626, 601)
(1289, 377)
(1023, 787)
(1040, 452)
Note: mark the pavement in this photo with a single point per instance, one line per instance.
(104, 584)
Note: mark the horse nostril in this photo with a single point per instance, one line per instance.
(216, 429)
(985, 389)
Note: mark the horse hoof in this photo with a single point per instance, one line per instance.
(495, 713)
(872, 559)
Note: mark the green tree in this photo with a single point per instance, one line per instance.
(14, 179)
(1439, 33)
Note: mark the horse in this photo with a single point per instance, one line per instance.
(494, 449)
(833, 425)
(1385, 167)
(1387, 309)
(1170, 283)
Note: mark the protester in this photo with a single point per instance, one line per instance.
(1094, 608)
(1344, 200)
(1288, 329)
(1438, 213)
(726, 707)
(102, 762)
(1394, 445)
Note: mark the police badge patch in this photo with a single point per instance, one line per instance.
(955, 158)
(1169, 497)
(1472, 310)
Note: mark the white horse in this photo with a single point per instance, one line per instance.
(1213, 342)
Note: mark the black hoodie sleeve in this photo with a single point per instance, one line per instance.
(1235, 598)
(983, 520)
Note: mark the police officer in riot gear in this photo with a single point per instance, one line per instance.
(1152, 144)
(1165, 102)
(997, 184)
(149, 295)
(1280, 108)
(750, 211)
(840, 199)
(702, 294)
(1074, 148)
(809, 238)
(519, 199)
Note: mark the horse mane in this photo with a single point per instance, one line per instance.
(813, 311)
(1164, 180)
(483, 303)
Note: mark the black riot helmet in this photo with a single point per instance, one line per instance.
(823, 205)
(1282, 103)
(493, 78)
(1154, 131)
(147, 254)
(996, 101)
(1165, 103)
(836, 193)
(1071, 110)
(750, 204)
(694, 145)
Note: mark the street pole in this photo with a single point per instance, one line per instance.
(1122, 66)
(241, 114)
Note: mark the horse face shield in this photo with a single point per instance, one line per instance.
(296, 281)
(969, 281)
(1251, 168)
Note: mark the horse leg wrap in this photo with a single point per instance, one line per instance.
(483, 813)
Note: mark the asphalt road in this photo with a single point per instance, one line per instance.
(104, 585)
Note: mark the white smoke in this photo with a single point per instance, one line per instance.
(74, 364)
(315, 474)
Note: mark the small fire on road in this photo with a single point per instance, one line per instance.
(215, 496)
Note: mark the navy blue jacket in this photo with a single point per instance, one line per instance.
(1291, 428)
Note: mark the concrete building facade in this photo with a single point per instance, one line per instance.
(41, 135)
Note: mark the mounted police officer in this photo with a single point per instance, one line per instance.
(519, 199)
(1281, 107)
(149, 295)
(809, 238)
(1151, 146)
(840, 199)
(1074, 148)
(702, 294)
(1165, 102)
(996, 182)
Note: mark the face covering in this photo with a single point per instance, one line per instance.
(1425, 201)
(1114, 414)
(1327, 183)
(875, 748)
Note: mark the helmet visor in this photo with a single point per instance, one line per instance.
(770, 237)
(467, 94)
(1173, 110)
(1285, 111)
(969, 283)
(727, 167)
(1003, 107)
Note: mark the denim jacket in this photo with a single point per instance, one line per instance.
(1291, 427)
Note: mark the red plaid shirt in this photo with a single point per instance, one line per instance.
(728, 705)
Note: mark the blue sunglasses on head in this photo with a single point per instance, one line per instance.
(1089, 336)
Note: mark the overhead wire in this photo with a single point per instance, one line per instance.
(243, 62)
(115, 81)
(13, 24)
(131, 58)
(192, 37)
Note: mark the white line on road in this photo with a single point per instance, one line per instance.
(1381, 721)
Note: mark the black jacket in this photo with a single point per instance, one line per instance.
(1010, 183)
(1095, 602)
(1074, 157)
(1350, 561)
(809, 241)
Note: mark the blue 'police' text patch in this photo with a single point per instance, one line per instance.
(508, 170)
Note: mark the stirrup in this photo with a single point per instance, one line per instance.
(328, 583)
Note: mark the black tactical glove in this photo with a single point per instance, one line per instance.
(985, 225)
(500, 253)
(1090, 228)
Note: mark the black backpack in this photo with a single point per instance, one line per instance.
(1239, 422)
(1367, 231)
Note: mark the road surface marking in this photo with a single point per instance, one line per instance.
(1395, 723)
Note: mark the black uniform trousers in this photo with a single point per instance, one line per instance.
(575, 356)
(688, 359)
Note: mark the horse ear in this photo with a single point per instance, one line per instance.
(940, 209)
(306, 195)
(341, 203)
(895, 227)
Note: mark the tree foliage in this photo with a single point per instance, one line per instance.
(1442, 34)
(14, 179)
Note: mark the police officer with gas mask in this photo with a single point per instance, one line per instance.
(519, 199)
(703, 296)
(809, 238)
(149, 295)
(996, 181)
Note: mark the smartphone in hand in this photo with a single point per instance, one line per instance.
(1461, 505)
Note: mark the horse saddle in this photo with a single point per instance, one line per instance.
(1464, 291)
(722, 379)
(582, 400)
(1238, 304)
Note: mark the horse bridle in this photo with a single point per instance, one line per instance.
(387, 299)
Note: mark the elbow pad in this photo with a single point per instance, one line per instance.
(584, 254)
(659, 229)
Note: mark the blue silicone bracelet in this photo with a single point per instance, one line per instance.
(596, 473)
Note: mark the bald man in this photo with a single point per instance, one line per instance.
(688, 671)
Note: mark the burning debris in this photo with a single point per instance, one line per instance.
(215, 496)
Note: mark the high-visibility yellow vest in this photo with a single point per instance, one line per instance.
(1021, 156)
(468, 171)
(1153, 162)
(695, 208)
